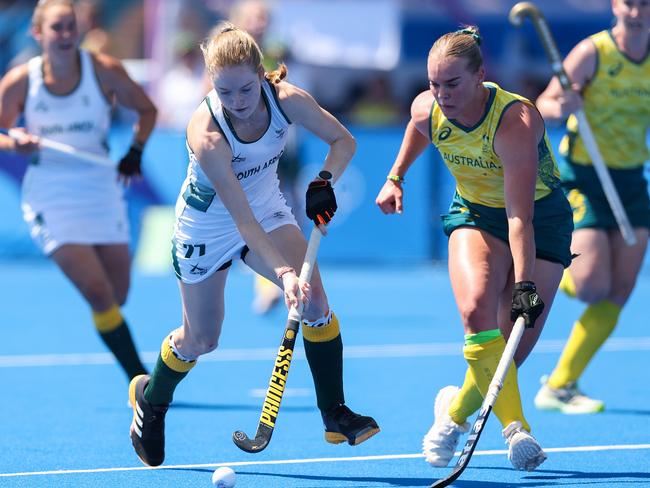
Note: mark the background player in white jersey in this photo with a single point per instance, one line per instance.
(76, 211)
(231, 207)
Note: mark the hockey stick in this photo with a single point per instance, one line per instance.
(278, 381)
(77, 154)
(516, 17)
(488, 402)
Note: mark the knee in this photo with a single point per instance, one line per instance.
(472, 313)
(593, 292)
(98, 293)
(199, 345)
(195, 344)
(621, 292)
(206, 345)
(121, 296)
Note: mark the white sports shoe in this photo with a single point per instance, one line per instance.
(439, 444)
(523, 450)
(568, 399)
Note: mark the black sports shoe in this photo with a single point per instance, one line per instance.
(148, 426)
(343, 425)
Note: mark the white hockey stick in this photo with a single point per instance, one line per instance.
(488, 402)
(516, 17)
(77, 154)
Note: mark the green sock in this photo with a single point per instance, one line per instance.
(324, 351)
(167, 374)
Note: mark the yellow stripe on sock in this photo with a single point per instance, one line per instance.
(589, 333)
(483, 360)
(322, 334)
(170, 359)
(467, 401)
(108, 320)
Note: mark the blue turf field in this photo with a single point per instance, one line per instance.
(65, 419)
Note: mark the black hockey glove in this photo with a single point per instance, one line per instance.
(320, 201)
(130, 164)
(526, 302)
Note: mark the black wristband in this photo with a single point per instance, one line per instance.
(525, 286)
(325, 175)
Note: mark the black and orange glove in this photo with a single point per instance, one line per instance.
(320, 201)
(130, 164)
(526, 302)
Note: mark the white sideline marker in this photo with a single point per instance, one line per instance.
(493, 452)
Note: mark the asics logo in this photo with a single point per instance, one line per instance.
(444, 133)
(615, 69)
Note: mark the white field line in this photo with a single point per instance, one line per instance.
(614, 447)
(624, 344)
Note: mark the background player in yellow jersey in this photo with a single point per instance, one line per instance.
(611, 75)
(509, 229)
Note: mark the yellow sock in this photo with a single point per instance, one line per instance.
(588, 334)
(108, 320)
(483, 360)
(567, 284)
(467, 401)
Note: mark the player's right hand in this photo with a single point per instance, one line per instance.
(526, 302)
(389, 199)
(570, 101)
(25, 144)
(294, 290)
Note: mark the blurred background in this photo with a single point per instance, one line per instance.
(363, 60)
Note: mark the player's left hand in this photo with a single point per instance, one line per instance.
(526, 302)
(320, 202)
(130, 164)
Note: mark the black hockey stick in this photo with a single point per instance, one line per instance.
(493, 391)
(278, 381)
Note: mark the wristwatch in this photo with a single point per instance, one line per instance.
(325, 175)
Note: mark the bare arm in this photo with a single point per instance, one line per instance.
(516, 143)
(118, 86)
(302, 109)
(13, 91)
(215, 156)
(554, 103)
(414, 142)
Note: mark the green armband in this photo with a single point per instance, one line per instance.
(395, 178)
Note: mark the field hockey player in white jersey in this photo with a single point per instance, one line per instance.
(230, 207)
(75, 210)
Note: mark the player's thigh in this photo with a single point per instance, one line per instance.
(626, 263)
(117, 264)
(479, 266)
(591, 269)
(203, 308)
(82, 266)
(546, 277)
